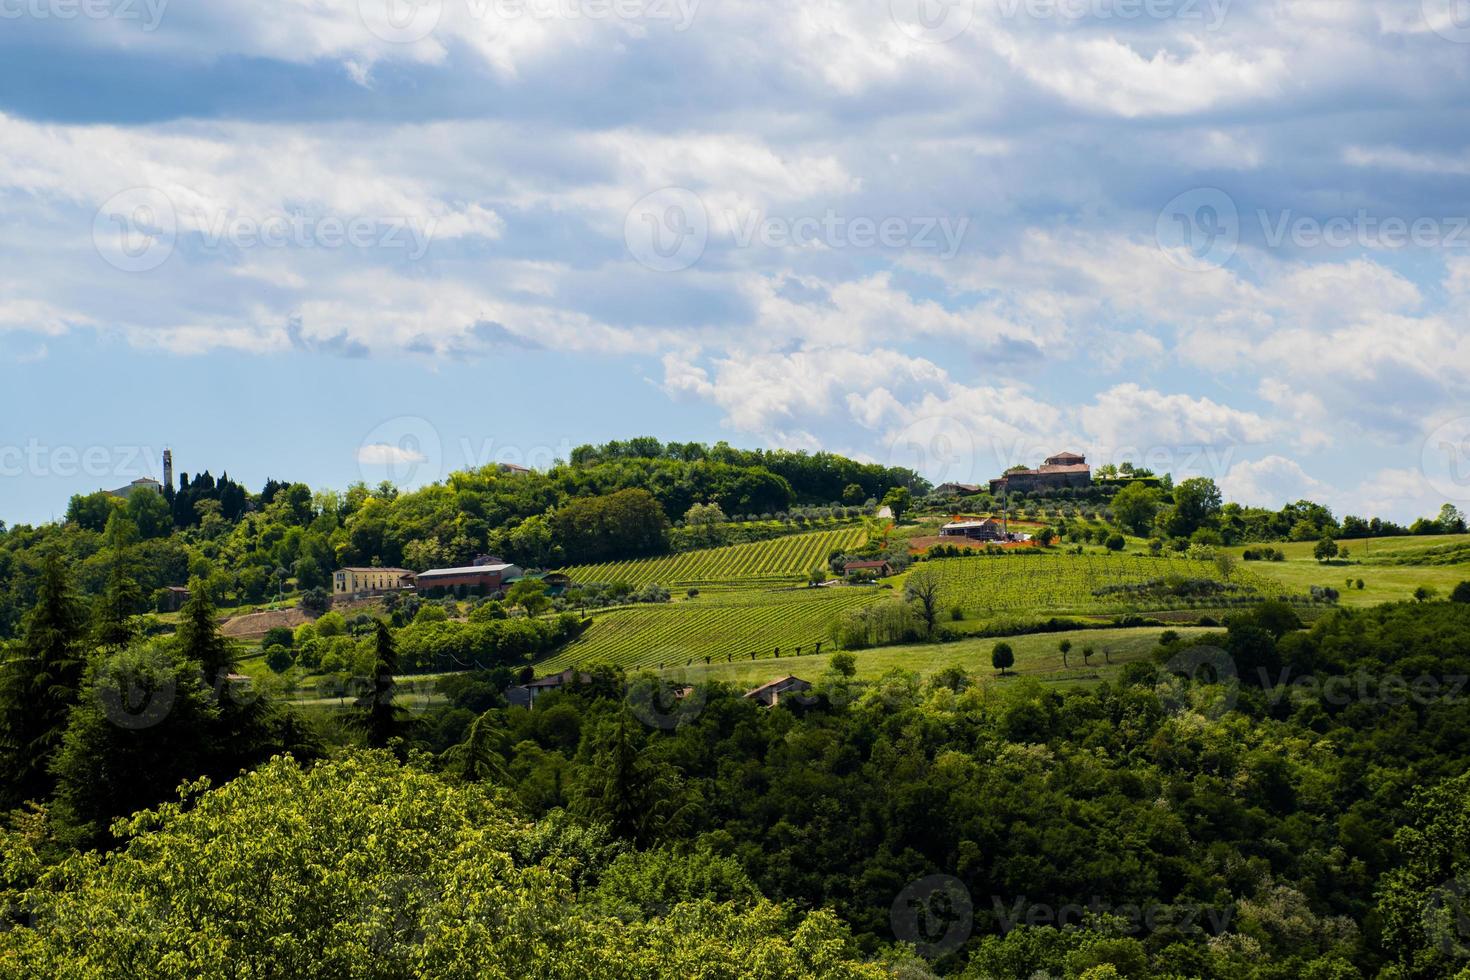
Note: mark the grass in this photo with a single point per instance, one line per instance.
(1381, 582)
(1037, 656)
(722, 625)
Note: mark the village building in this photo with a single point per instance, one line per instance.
(987, 529)
(1055, 473)
(880, 569)
(370, 581)
(525, 695)
(957, 489)
(142, 484)
(478, 579)
(173, 599)
(771, 693)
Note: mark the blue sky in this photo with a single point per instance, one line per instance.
(349, 239)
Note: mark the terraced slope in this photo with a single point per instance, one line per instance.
(759, 563)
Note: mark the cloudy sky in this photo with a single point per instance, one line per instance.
(338, 239)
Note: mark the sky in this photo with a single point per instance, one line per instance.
(331, 240)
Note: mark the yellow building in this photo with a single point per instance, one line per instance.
(370, 581)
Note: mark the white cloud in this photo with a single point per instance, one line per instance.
(382, 453)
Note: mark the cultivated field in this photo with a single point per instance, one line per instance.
(721, 625)
(1052, 583)
(1037, 655)
(786, 558)
(1390, 568)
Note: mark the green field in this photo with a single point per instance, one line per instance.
(1374, 560)
(788, 558)
(1036, 656)
(1051, 583)
(724, 624)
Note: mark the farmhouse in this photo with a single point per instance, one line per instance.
(988, 529)
(480, 579)
(957, 489)
(1057, 472)
(770, 694)
(173, 599)
(879, 568)
(370, 581)
(525, 695)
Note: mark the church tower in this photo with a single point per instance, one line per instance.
(168, 468)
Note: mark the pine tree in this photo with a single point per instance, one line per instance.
(199, 635)
(114, 623)
(41, 683)
(382, 718)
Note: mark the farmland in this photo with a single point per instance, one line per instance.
(1037, 655)
(783, 559)
(719, 625)
(1041, 582)
(1391, 568)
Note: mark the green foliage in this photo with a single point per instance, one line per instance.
(361, 868)
(1002, 657)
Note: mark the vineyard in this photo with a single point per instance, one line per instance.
(1087, 583)
(779, 560)
(723, 626)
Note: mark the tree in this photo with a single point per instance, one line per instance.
(1135, 506)
(1461, 592)
(1325, 549)
(479, 756)
(39, 684)
(817, 576)
(1046, 536)
(144, 724)
(530, 595)
(279, 659)
(381, 718)
(705, 521)
(1115, 542)
(922, 588)
(853, 494)
(114, 616)
(1002, 657)
(898, 500)
(1065, 647)
(843, 663)
(1424, 593)
(636, 798)
(1197, 501)
(198, 635)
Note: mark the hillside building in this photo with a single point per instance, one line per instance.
(370, 581)
(1056, 473)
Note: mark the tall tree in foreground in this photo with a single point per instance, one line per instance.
(39, 685)
(114, 623)
(381, 716)
(199, 636)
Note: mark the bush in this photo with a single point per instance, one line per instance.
(1460, 594)
(278, 658)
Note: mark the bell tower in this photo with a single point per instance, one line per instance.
(168, 468)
